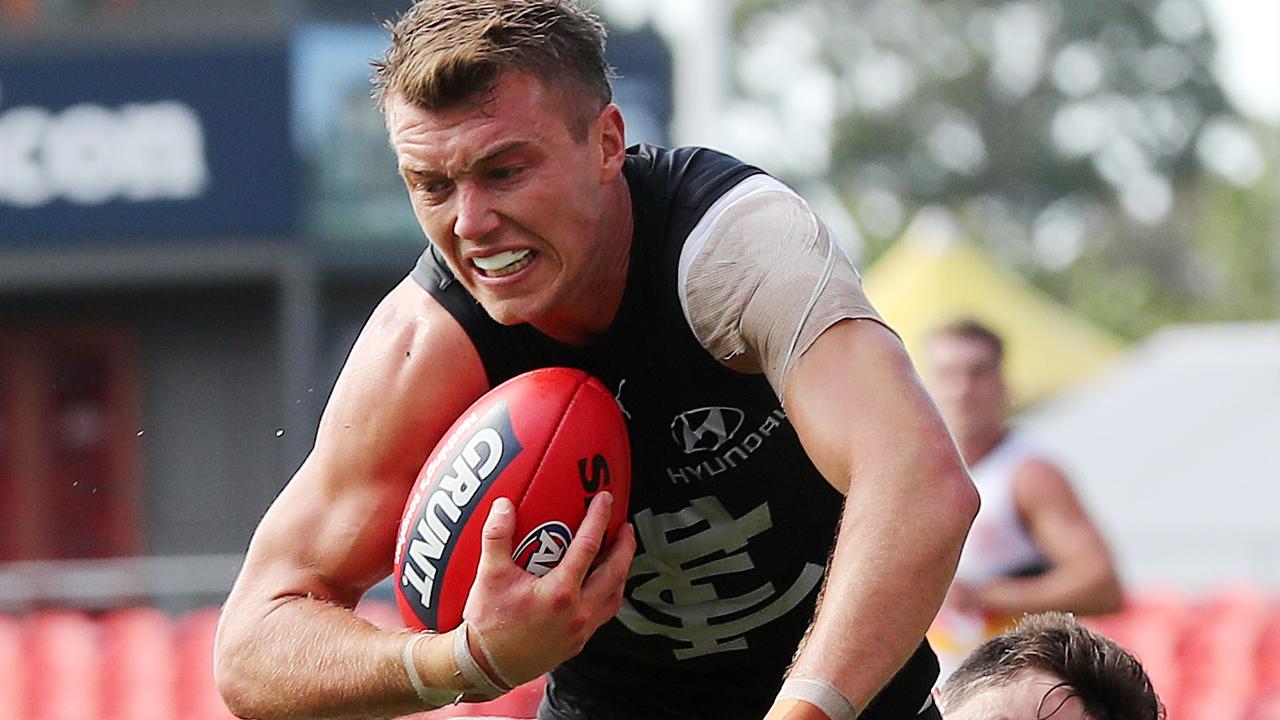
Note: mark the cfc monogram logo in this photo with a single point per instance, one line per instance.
(671, 579)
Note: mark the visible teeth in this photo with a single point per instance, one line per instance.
(499, 261)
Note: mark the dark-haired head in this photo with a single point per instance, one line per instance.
(1106, 681)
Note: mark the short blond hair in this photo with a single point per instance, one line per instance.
(446, 53)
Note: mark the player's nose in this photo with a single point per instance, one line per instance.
(476, 216)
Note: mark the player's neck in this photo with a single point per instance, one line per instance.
(976, 446)
(588, 316)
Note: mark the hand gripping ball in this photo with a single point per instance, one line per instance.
(548, 440)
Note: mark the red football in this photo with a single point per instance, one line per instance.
(549, 440)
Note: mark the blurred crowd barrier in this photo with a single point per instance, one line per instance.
(1212, 656)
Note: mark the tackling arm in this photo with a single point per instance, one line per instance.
(768, 290)
(288, 645)
(869, 427)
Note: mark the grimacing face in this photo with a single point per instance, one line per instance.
(966, 381)
(512, 198)
(1031, 695)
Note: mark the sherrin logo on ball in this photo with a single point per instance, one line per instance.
(543, 548)
(549, 440)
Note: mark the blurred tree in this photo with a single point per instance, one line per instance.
(1084, 141)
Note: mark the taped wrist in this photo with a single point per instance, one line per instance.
(435, 697)
(484, 685)
(819, 693)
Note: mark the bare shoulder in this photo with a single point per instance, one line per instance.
(412, 371)
(1040, 483)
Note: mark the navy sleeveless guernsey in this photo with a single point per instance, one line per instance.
(734, 524)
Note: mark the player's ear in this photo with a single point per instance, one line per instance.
(609, 131)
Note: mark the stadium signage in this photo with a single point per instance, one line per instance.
(129, 142)
(89, 154)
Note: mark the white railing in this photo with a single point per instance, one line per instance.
(96, 584)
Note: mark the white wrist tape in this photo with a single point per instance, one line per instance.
(435, 697)
(500, 678)
(488, 687)
(821, 694)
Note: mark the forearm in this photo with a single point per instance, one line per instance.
(1087, 592)
(308, 658)
(873, 433)
(894, 559)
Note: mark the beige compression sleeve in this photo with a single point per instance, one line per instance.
(761, 279)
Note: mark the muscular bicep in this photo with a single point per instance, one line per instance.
(331, 531)
(323, 540)
(860, 409)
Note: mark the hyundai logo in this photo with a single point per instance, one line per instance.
(705, 429)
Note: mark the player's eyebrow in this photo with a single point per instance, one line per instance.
(411, 167)
(500, 150)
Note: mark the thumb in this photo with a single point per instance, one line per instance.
(495, 543)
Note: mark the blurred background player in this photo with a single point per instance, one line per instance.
(1032, 546)
(1050, 666)
(712, 299)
